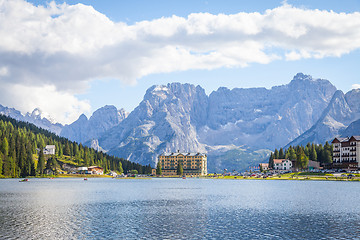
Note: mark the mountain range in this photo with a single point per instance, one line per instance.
(36, 117)
(235, 127)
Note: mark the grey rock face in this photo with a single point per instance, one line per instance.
(166, 120)
(258, 117)
(35, 118)
(83, 129)
(341, 111)
(352, 130)
(182, 117)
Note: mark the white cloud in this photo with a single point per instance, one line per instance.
(66, 46)
(355, 86)
(61, 106)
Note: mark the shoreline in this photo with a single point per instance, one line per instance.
(285, 177)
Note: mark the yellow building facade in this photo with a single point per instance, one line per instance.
(193, 163)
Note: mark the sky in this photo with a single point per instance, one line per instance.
(73, 57)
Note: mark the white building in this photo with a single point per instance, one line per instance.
(282, 164)
(346, 152)
(49, 149)
(264, 166)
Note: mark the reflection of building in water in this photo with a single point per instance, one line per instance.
(193, 163)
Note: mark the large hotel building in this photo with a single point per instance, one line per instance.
(193, 163)
(346, 152)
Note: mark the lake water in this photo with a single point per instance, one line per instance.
(178, 209)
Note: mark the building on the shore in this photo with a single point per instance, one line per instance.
(313, 165)
(193, 163)
(282, 164)
(82, 170)
(264, 166)
(346, 153)
(95, 170)
(49, 150)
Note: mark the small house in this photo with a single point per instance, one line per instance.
(49, 150)
(82, 170)
(282, 164)
(96, 170)
(264, 166)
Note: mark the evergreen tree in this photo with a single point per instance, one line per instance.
(301, 160)
(41, 162)
(281, 154)
(2, 159)
(271, 160)
(5, 147)
(158, 169)
(66, 149)
(120, 169)
(276, 154)
(326, 156)
(22, 140)
(313, 154)
(179, 170)
(307, 150)
(292, 154)
(87, 158)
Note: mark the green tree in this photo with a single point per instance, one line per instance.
(5, 147)
(120, 169)
(326, 156)
(301, 160)
(51, 164)
(313, 154)
(276, 154)
(2, 161)
(292, 154)
(281, 154)
(271, 160)
(41, 162)
(261, 168)
(134, 171)
(179, 170)
(307, 150)
(87, 157)
(158, 168)
(67, 149)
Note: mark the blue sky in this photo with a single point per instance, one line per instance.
(116, 36)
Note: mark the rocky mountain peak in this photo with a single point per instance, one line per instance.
(84, 129)
(82, 118)
(301, 77)
(36, 113)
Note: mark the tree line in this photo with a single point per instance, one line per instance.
(302, 155)
(21, 152)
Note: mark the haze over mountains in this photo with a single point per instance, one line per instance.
(236, 128)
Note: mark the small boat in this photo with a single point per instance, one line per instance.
(85, 179)
(24, 180)
(183, 177)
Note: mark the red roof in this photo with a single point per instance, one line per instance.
(279, 160)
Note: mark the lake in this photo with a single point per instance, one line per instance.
(104, 208)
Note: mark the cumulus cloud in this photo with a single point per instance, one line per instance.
(355, 86)
(60, 106)
(66, 46)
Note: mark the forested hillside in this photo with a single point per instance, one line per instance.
(20, 154)
(302, 155)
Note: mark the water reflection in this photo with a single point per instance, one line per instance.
(178, 209)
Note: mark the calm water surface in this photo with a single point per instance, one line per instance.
(178, 209)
